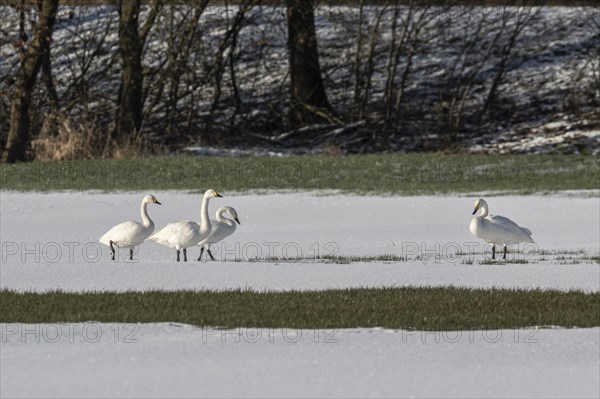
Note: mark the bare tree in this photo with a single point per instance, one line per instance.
(592, 55)
(180, 45)
(414, 36)
(92, 65)
(229, 40)
(371, 62)
(393, 56)
(469, 64)
(131, 43)
(309, 101)
(521, 20)
(20, 121)
(357, 58)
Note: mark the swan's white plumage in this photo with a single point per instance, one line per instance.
(510, 225)
(185, 234)
(222, 227)
(178, 235)
(127, 234)
(130, 234)
(497, 229)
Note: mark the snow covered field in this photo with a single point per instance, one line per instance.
(49, 241)
(174, 360)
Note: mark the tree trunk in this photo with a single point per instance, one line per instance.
(309, 101)
(19, 133)
(129, 118)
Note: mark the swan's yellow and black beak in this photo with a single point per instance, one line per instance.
(237, 220)
(475, 210)
(155, 201)
(218, 195)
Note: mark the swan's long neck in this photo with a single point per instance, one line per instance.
(221, 217)
(484, 211)
(204, 219)
(146, 221)
(220, 213)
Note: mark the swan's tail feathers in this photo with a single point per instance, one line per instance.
(104, 240)
(528, 233)
(155, 237)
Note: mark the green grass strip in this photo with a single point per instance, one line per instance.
(445, 308)
(404, 174)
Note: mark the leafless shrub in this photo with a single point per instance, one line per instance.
(61, 139)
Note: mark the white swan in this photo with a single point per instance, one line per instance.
(221, 228)
(130, 234)
(497, 229)
(185, 234)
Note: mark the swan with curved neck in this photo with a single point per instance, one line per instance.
(497, 230)
(185, 234)
(222, 228)
(131, 234)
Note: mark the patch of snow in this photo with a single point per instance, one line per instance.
(49, 241)
(81, 360)
(231, 152)
(574, 141)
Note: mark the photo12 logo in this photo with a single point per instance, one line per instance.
(52, 252)
(464, 252)
(455, 172)
(260, 172)
(67, 174)
(269, 335)
(90, 333)
(92, 252)
(272, 251)
(523, 336)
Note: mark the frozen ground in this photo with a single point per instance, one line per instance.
(49, 241)
(173, 360)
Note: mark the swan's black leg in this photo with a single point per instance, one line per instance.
(201, 252)
(185, 254)
(130, 253)
(493, 252)
(112, 251)
(177, 255)
(504, 257)
(210, 254)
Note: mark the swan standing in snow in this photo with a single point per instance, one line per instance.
(497, 229)
(185, 234)
(221, 228)
(130, 234)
